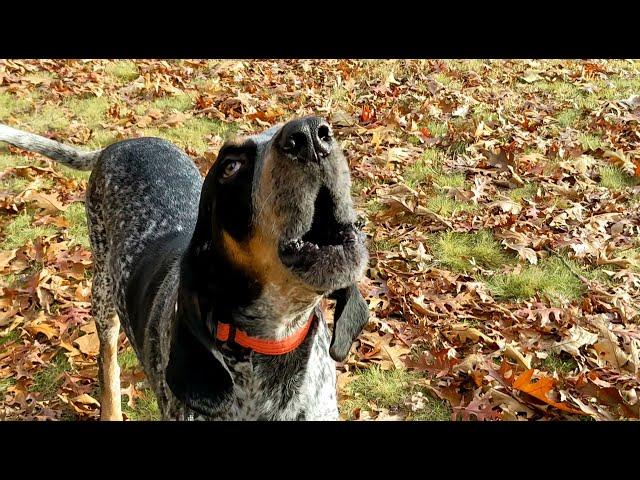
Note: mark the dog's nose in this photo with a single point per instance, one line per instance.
(307, 139)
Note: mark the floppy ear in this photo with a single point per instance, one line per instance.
(196, 372)
(350, 317)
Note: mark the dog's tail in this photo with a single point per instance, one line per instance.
(70, 156)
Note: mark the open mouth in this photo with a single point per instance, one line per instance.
(328, 249)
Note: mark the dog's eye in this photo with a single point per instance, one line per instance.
(231, 168)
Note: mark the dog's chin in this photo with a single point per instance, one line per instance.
(328, 254)
(327, 267)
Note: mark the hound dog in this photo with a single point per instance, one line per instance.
(217, 283)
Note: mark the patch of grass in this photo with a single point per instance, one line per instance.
(429, 165)
(435, 410)
(559, 90)
(11, 105)
(5, 383)
(77, 218)
(551, 277)
(458, 147)
(7, 160)
(47, 380)
(125, 70)
(485, 113)
(145, 408)
(91, 111)
(21, 229)
(374, 206)
(146, 405)
(12, 336)
(359, 184)
(461, 251)
(447, 206)
(437, 129)
(193, 133)
(526, 192)
(614, 178)
(14, 184)
(127, 359)
(444, 180)
(569, 118)
(48, 118)
(467, 65)
(384, 244)
(559, 363)
(448, 81)
(168, 103)
(19, 184)
(589, 141)
(73, 173)
(390, 389)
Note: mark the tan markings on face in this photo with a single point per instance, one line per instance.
(259, 258)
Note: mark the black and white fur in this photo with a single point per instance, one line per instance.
(173, 255)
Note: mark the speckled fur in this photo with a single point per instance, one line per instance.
(146, 189)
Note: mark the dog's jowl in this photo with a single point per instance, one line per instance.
(217, 284)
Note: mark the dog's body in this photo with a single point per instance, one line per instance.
(172, 263)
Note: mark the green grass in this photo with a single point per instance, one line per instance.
(461, 251)
(447, 206)
(127, 359)
(47, 118)
(443, 180)
(5, 383)
(359, 184)
(551, 277)
(47, 380)
(146, 407)
(589, 141)
(430, 165)
(12, 105)
(569, 118)
(448, 81)
(559, 363)
(484, 112)
(390, 390)
(72, 172)
(559, 90)
(20, 184)
(384, 244)
(21, 229)
(77, 218)
(614, 178)
(374, 206)
(193, 133)
(14, 184)
(177, 102)
(125, 70)
(91, 111)
(12, 336)
(525, 192)
(437, 129)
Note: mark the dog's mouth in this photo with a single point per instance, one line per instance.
(330, 252)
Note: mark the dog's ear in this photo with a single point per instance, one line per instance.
(350, 317)
(196, 372)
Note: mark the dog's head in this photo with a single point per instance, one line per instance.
(276, 231)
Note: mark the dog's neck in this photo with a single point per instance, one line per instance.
(229, 295)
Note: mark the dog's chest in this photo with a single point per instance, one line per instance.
(278, 389)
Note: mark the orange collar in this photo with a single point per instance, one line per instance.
(227, 333)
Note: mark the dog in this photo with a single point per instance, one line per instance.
(218, 283)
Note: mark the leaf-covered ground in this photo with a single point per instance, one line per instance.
(502, 200)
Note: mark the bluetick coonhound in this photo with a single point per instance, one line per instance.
(217, 284)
